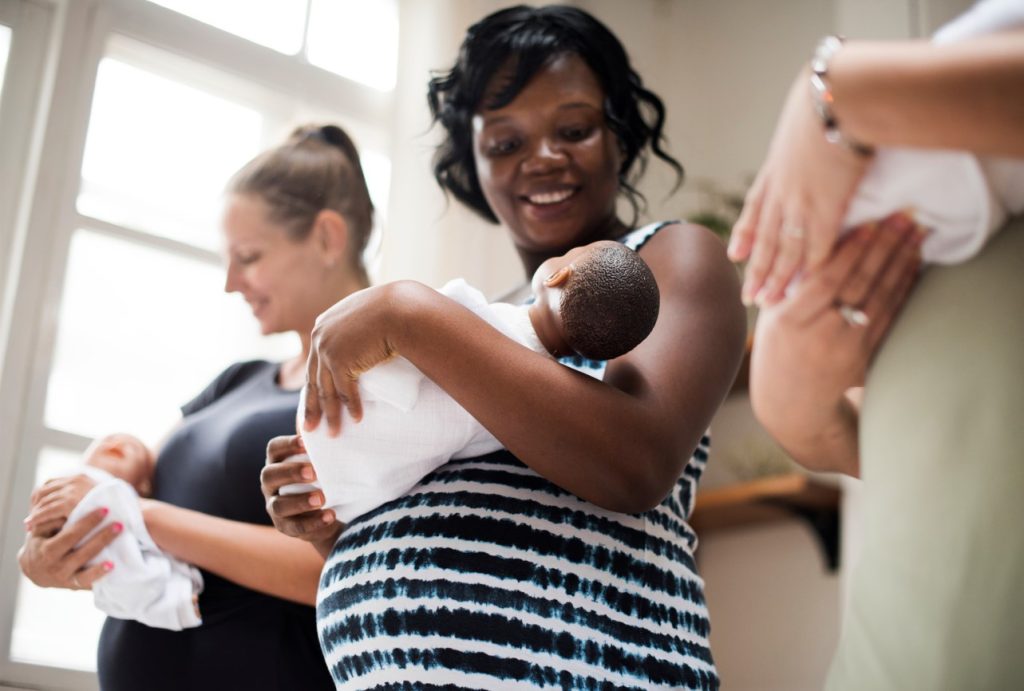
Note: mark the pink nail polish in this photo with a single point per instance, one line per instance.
(103, 512)
(118, 528)
(108, 566)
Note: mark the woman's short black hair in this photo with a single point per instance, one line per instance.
(533, 36)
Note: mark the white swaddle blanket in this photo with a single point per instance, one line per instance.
(146, 584)
(410, 426)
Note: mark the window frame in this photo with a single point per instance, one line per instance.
(56, 47)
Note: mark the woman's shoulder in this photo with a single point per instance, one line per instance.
(233, 376)
(683, 255)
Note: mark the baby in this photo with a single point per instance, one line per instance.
(597, 301)
(146, 584)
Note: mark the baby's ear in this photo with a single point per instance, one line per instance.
(559, 277)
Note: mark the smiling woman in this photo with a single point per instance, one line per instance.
(566, 559)
(297, 220)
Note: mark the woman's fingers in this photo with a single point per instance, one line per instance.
(72, 534)
(819, 290)
(762, 255)
(890, 235)
(741, 239)
(90, 549)
(330, 401)
(284, 447)
(788, 259)
(893, 288)
(313, 412)
(84, 578)
(353, 402)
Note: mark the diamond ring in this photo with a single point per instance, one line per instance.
(853, 316)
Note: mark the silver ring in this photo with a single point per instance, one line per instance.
(853, 316)
(74, 579)
(793, 230)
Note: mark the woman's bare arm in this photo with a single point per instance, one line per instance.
(254, 556)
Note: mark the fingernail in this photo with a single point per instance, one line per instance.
(118, 527)
(307, 473)
(328, 517)
(108, 566)
(28, 525)
(103, 512)
(315, 500)
(746, 297)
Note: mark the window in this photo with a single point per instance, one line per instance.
(5, 46)
(354, 39)
(136, 272)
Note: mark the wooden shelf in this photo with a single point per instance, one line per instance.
(770, 499)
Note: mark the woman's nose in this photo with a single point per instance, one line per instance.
(544, 157)
(231, 281)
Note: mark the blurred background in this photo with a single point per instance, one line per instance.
(120, 122)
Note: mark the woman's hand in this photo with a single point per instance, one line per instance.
(52, 503)
(56, 562)
(795, 207)
(348, 339)
(296, 515)
(807, 354)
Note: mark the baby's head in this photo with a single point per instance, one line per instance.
(599, 301)
(124, 457)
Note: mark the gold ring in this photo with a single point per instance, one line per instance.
(853, 316)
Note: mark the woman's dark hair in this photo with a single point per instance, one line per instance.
(533, 36)
(316, 168)
(610, 303)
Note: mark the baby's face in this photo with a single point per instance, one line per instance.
(124, 457)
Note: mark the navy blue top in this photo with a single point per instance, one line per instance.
(248, 640)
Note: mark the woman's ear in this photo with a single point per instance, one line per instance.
(330, 231)
(559, 277)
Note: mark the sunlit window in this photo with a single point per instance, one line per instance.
(141, 332)
(355, 39)
(276, 24)
(5, 47)
(159, 152)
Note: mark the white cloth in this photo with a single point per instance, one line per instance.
(410, 426)
(964, 199)
(146, 584)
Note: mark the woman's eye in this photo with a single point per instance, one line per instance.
(246, 259)
(503, 146)
(576, 134)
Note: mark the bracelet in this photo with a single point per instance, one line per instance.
(823, 98)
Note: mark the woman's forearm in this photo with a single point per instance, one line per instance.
(965, 95)
(254, 556)
(826, 442)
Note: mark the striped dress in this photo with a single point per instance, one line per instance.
(487, 576)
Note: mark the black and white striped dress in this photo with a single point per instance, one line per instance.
(487, 576)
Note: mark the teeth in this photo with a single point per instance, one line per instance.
(550, 197)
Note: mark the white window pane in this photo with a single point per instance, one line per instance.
(355, 39)
(141, 332)
(158, 153)
(377, 171)
(5, 47)
(58, 628)
(276, 24)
